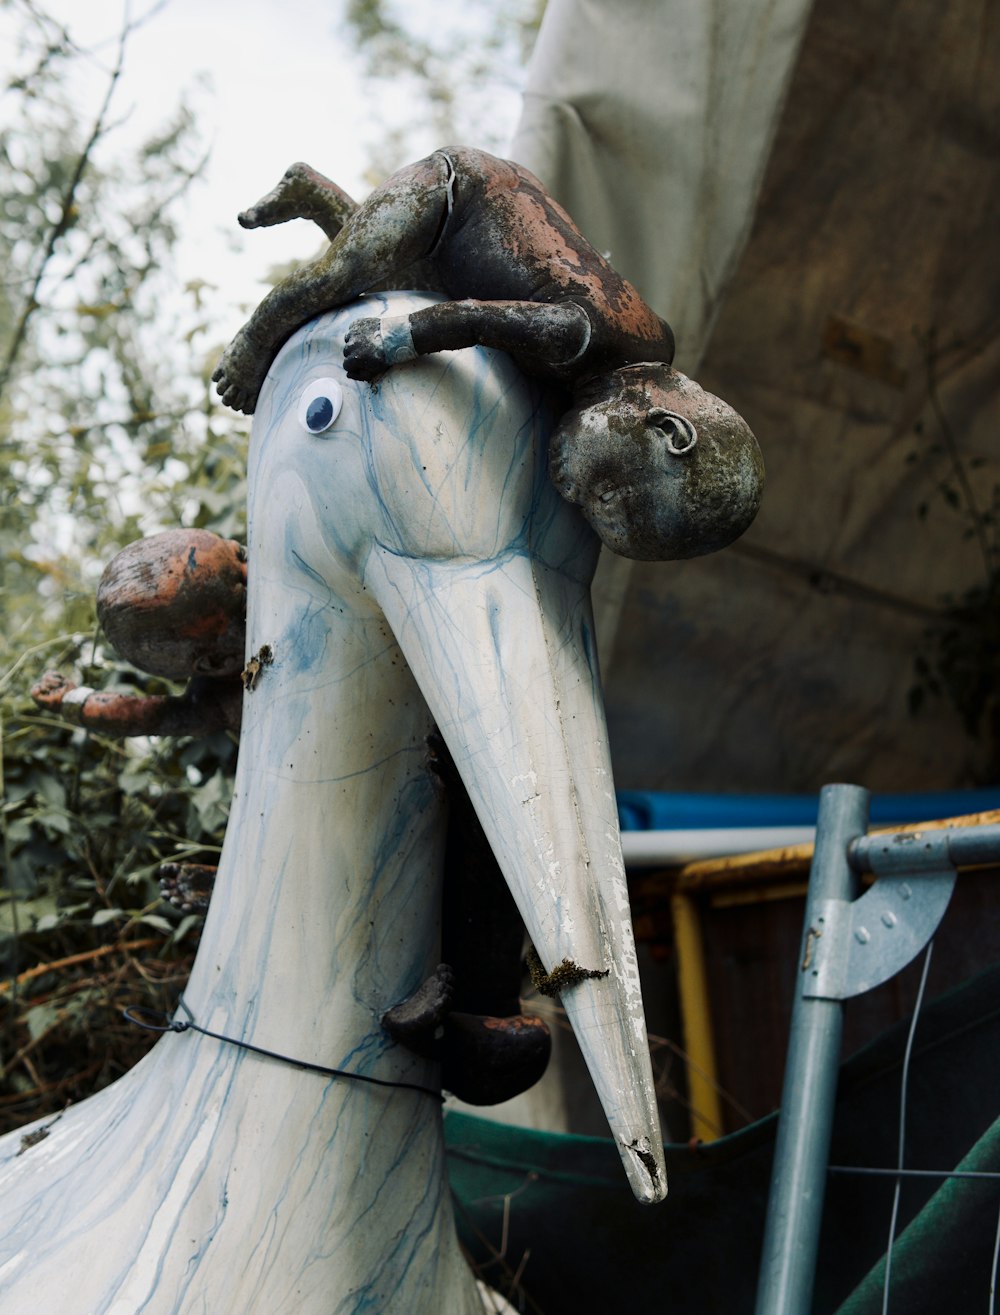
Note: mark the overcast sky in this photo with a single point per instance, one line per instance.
(272, 81)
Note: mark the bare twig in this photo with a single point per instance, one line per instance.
(66, 211)
(6, 676)
(86, 956)
(17, 1098)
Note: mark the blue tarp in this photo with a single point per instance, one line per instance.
(645, 810)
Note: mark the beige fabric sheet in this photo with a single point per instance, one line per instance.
(813, 200)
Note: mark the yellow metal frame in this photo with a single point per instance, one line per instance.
(696, 1018)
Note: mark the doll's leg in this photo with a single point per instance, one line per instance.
(467, 1014)
(397, 225)
(302, 193)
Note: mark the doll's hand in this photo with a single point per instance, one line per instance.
(364, 353)
(49, 692)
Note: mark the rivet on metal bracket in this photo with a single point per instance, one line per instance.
(867, 941)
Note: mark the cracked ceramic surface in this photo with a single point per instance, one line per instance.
(409, 564)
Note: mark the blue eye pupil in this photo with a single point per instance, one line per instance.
(319, 414)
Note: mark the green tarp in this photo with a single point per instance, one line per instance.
(582, 1244)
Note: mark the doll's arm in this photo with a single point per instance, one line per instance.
(555, 333)
(113, 713)
(117, 714)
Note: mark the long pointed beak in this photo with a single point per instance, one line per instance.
(503, 653)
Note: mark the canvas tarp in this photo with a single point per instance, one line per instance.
(812, 198)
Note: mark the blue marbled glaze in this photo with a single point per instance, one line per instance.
(410, 564)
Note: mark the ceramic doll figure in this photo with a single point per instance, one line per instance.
(207, 704)
(660, 468)
(173, 604)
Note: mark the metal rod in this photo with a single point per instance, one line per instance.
(798, 1178)
(966, 846)
(696, 1018)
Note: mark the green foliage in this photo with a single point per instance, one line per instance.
(453, 80)
(84, 813)
(86, 823)
(108, 431)
(106, 417)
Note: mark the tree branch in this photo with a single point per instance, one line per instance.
(67, 207)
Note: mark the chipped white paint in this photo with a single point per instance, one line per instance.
(410, 563)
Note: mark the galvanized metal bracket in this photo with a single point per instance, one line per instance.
(852, 946)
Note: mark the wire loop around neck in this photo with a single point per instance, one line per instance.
(140, 1016)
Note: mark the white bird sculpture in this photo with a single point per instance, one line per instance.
(410, 565)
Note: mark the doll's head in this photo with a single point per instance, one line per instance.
(660, 468)
(175, 604)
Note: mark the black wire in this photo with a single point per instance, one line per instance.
(175, 1025)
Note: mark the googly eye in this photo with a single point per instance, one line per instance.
(320, 405)
(679, 433)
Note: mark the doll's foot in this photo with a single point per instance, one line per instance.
(240, 373)
(302, 193)
(488, 1060)
(187, 886)
(416, 1022)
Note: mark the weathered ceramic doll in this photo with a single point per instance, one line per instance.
(174, 605)
(660, 468)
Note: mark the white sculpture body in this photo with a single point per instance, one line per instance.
(409, 565)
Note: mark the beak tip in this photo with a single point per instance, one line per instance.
(646, 1170)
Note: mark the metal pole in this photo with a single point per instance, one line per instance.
(964, 846)
(696, 1018)
(798, 1178)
